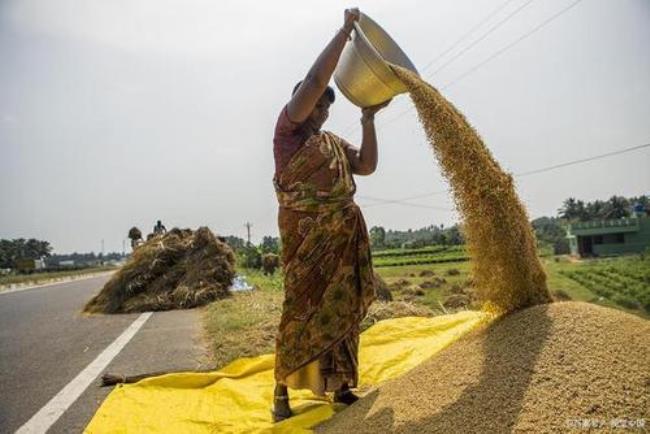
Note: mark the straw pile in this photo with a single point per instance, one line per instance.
(549, 368)
(177, 270)
(507, 272)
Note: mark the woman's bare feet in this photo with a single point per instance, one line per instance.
(281, 409)
(345, 396)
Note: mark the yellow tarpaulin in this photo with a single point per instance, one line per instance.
(238, 398)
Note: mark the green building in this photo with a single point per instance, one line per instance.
(609, 237)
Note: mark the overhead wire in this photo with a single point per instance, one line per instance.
(482, 37)
(351, 126)
(467, 34)
(489, 58)
(517, 175)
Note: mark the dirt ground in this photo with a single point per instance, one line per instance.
(556, 367)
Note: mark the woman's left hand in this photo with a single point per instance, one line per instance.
(368, 113)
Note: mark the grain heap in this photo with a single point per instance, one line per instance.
(549, 368)
(177, 270)
(507, 272)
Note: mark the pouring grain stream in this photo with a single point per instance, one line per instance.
(507, 272)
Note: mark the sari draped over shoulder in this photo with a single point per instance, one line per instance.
(328, 276)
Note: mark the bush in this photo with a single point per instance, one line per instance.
(250, 257)
(626, 301)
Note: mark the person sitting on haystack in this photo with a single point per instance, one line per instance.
(328, 281)
(159, 229)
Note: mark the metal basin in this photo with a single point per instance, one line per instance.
(362, 73)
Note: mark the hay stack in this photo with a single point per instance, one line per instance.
(382, 290)
(177, 270)
(548, 368)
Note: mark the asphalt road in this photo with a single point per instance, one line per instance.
(46, 341)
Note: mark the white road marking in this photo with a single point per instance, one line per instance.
(54, 283)
(52, 411)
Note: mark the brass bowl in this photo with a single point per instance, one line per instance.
(362, 73)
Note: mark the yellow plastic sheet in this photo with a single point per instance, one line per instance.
(238, 398)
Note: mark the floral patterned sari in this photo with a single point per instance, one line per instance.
(329, 281)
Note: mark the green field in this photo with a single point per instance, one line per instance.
(245, 324)
(426, 255)
(623, 282)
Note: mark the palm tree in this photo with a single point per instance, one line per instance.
(617, 207)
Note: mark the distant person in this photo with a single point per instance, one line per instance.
(135, 236)
(329, 282)
(159, 229)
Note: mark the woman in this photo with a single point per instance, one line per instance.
(329, 282)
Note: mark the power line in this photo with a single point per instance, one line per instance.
(468, 33)
(512, 44)
(400, 202)
(482, 37)
(490, 58)
(351, 126)
(582, 160)
(518, 175)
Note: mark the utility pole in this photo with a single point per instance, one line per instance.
(101, 262)
(248, 226)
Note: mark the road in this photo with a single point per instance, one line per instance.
(46, 342)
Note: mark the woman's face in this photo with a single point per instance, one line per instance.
(320, 113)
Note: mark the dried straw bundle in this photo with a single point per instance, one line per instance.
(180, 269)
(507, 272)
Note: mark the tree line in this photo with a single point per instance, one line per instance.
(615, 207)
(380, 238)
(21, 248)
(18, 249)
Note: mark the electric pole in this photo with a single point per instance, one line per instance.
(248, 226)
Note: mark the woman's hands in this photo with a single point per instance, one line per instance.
(350, 16)
(368, 113)
(364, 160)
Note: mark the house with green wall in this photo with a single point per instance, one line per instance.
(609, 237)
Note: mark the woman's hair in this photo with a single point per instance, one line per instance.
(328, 91)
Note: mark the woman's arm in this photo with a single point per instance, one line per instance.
(364, 160)
(313, 86)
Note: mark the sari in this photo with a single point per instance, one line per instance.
(328, 277)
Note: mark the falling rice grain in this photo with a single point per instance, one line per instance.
(507, 272)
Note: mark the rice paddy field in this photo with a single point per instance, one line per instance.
(622, 282)
(425, 255)
(244, 324)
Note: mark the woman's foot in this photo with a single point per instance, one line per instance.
(281, 409)
(345, 396)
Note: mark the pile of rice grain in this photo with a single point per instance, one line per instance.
(549, 368)
(507, 272)
(178, 270)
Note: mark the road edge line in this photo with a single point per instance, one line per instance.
(54, 409)
(54, 283)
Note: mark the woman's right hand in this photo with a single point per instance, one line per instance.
(351, 15)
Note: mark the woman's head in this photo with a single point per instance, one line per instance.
(320, 113)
